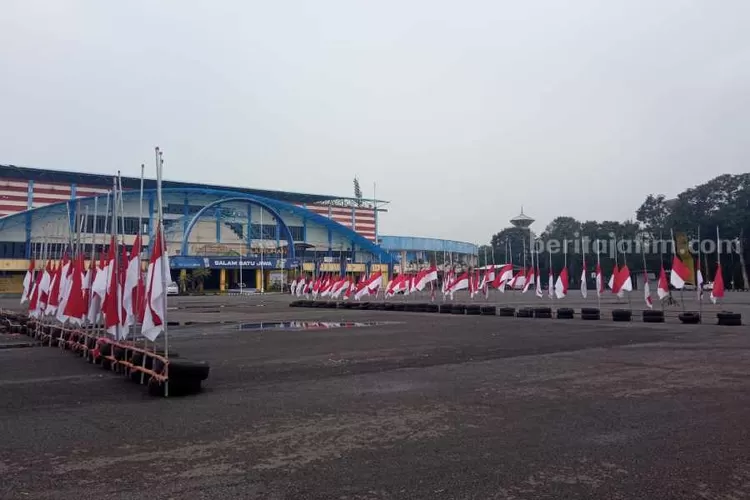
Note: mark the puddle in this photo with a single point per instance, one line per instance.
(309, 325)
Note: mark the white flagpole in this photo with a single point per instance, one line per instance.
(164, 269)
(262, 244)
(699, 285)
(583, 264)
(116, 264)
(674, 254)
(600, 277)
(91, 257)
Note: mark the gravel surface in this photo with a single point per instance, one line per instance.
(425, 407)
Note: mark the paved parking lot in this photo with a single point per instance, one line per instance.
(421, 406)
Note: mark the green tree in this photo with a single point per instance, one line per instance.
(197, 278)
(508, 245)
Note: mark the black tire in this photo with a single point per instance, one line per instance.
(488, 310)
(689, 318)
(295, 303)
(652, 313)
(590, 310)
(409, 307)
(388, 306)
(507, 312)
(565, 313)
(543, 312)
(432, 308)
(377, 306)
(728, 315)
(730, 322)
(525, 312)
(398, 306)
(346, 305)
(651, 316)
(420, 308)
(458, 309)
(446, 308)
(473, 312)
(653, 319)
(590, 316)
(365, 306)
(622, 315)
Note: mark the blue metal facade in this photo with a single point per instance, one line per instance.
(411, 244)
(276, 207)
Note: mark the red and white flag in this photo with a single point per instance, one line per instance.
(460, 283)
(75, 307)
(53, 296)
(44, 287)
(518, 280)
(376, 281)
(155, 315)
(561, 286)
(28, 282)
(679, 275)
(599, 280)
(662, 287)
(538, 285)
(34, 310)
(699, 280)
(612, 283)
(425, 277)
(98, 291)
(66, 278)
(112, 304)
(623, 282)
(647, 291)
(584, 285)
(133, 274)
(551, 283)
(718, 289)
(529, 279)
(503, 276)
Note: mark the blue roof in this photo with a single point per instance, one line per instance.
(105, 181)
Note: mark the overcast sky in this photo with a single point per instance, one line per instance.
(460, 111)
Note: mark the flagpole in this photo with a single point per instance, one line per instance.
(645, 269)
(625, 263)
(91, 256)
(661, 266)
(583, 263)
(115, 273)
(699, 285)
(600, 279)
(163, 259)
(262, 244)
(674, 254)
(138, 299)
(550, 278)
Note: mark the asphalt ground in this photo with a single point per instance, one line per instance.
(424, 406)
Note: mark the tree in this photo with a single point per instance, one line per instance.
(722, 202)
(484, 256)
(508, 245)
(654, 213)
(197, 277)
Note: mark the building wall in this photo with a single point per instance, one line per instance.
(417, 244)
(17, 195)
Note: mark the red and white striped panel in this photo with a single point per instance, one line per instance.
(14, 194)
(363, 223)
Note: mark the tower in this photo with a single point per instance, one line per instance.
(524, 222)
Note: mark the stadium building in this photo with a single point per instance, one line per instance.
(236, 236)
